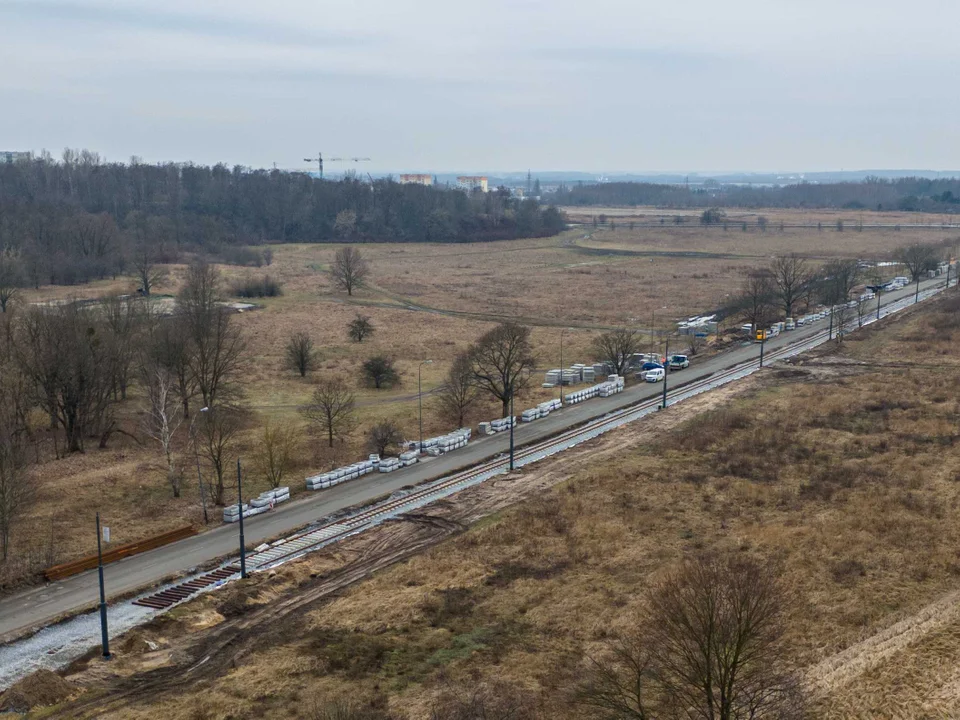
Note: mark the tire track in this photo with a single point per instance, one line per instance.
(843, 668)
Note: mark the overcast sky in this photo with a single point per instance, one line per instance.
(595, 85)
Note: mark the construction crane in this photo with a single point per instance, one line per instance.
(319, 161)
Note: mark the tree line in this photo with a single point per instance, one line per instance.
(915, 194)
(79, 218)
(791, 283)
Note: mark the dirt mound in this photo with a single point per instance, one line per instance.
(136, 643)
(41, 688)
(237, 600)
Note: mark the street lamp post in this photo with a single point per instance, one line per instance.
(511, 422)
(196, 456)
(561, 364)
(763, 339)
(420, 402)
(878, 301)
(243, 549)
(104, 639)
(666, 371)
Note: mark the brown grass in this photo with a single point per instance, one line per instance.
(416, 298)
(842, 471)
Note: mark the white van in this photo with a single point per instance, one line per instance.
(654, 375)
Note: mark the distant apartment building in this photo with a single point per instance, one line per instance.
(472, 182)
(416, 179)
(12, 156)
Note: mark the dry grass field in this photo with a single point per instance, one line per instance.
(427, 302)
(840, 466)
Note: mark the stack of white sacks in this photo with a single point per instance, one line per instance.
(434, 446)
(335, 477)
(437, 446)
(261, 504)
(495, 426)
(541, 410)
(612, 386)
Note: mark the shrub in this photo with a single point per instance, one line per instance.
(847, 572)
(379, 372)
(256, 287)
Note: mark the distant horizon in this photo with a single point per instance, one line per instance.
(338, 170)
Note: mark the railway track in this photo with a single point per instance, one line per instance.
(315, 538)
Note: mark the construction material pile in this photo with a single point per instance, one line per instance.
(260, 504)
(612, 386)
(499, 425)
(541, 410)
(350, 472)
(437, 446)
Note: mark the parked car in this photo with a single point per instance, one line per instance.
(650, 366)
(679, 362)
(790, 324)
(654, 375)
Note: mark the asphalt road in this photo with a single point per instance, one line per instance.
(41, 605)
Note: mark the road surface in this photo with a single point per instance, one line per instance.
(36, 607)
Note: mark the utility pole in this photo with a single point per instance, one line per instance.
(763, 340)
(420, 402)
(243, 549)
(561, 364)
(104, 640)
(666, 372)
(878, 302)
(830, 332)
(511, 421)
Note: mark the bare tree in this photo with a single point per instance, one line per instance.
(497, 700)
(163, 416)
(459, 392)
(217, 348)
(863, 310)
(332, 409)
(17, 486)
(918, 259)
(790, 274)
(621, 683)
(274, 453)
(839, 279)
(126, 319)
(500, 361)
(755, 302)
(710, 645)
(349, 269)
(168, 346)
(716, 639)
(301, 356)
(146, 269)
(616, 347)
(219, 429)
(11, 277)
(360, 328)
(65, 351)
(762, 223)
(380, 372)
(383, 436)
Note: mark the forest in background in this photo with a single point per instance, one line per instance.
(80, 218)
(913, 194)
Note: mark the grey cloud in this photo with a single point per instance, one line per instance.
(142, 19)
